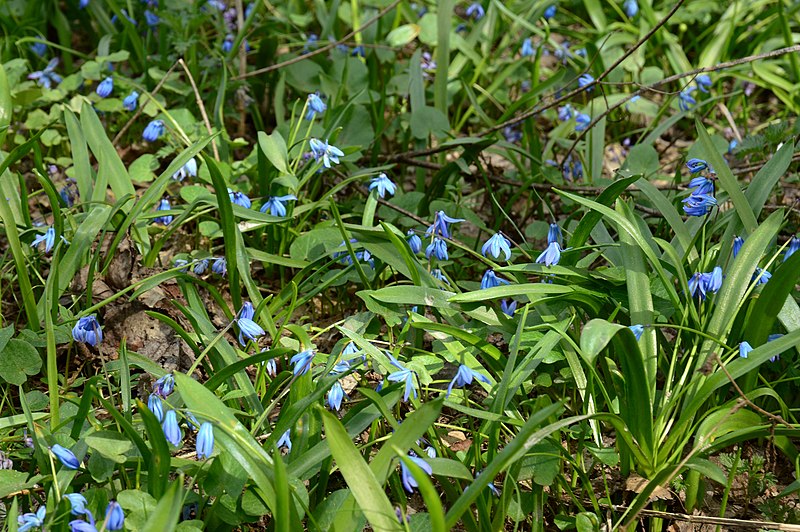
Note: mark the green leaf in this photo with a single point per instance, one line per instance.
(764, 312)
(18, 360)
(274, 147)
(6, 105)
(112, 445)
(168, 512)
(402, 35)
(158, 467)
(12, 481)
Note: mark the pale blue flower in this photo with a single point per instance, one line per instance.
(637, 330)
(698, 204)
(131, 101)
(437, 274)
(156, 407)
(335, 396)
(405, 474)
(794, 245)
(285, 441)
(744, 349)
(685, 99)
(582, 121)
(79, 525)
(383, 185)
(276, 205)
(441, 225)
(28, 521)
(205, 441)
(49, 239)
(703, 82)
(200, 266)
(271, 367)
(187, 170)
(631, 8)
(585, 80)
(39, 48)
(302, 362)
(761, 276)
(476, 11)
(163, 205)
(77, 503)
(490, 280)
(404, 375)
(696, 165)
(237, 198)
(438, 248)
(414, 241)
(47, 78)
(172, 432)
(508, 306)
(527, 48)
(551, 255)
(496, 245)
(105, 87)
(220, 266)
(550, 12)
(153, 131)
(325, 152)
(565, 112)
(115, 517)
(248, 330)
(738, 242)
(554, 233)
(65, 456)
(163, 386)
(151, 18)
(315, 105)
(464, 377)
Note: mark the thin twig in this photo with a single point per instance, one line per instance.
(138, 112)
(322, 50)
(201, 106)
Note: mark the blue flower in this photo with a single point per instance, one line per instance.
(738, 242)
(497, 244)
(490, 280)
(130, 101)
(702, 186)
(698, 204)
(151, 18)
(584, 80)
(247, 311)
(637, 331)
(437, 274)
(227, 44)
(464, 377)
(335, 396)
(512, 134)
(187, 170)
(65, 456)
(49, 239)
(326, 152)
(205, 441)
(237, 198)
(171, 429)
(302, 362)
(39, 48)
(732, 145)
(440, 226)
(156, 407)
(30, 520)
(275, 205)
(68, 193)
(761, 276)
(88, 331)
(527, 48)
(554, 234)
(153, 131)
(115, 517)
(700, 284)
(508, 306)
(438, 248)
(167, 218)
(164, 386)
(403, 375)
(714, 280)
(582, 121)
(476, 11)
(200, 267)
(631, 8)
(285, 441)
(703, 82)
(315, 105)
(565, 112)
(77, 503)
(79, 525)
(551, 255)
(685, 99)
(550, 12)
(696, 165)
(220, 266)
(744, 349)
(105, 87)
(794, 245)
(350, 349)
(405, 474)
(248, 329)
(414, 241)
(47, 78)
(271, 367)
(383, 185)
(124, 14)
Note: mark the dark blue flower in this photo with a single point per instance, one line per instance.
(794, 245)
(631, 8)
(39, 48)
(551, 255)
(383, 185)
(554, 234)
(105, 87)
(550, 12)
(685, 99)
(276, 205)
(698, 204)
(637, 330)
(325, 152)
(738, 242)
(237, 198)
(315, 105)
(130, 101)
(153, 131)
(69, 193)
(172, 432)
(302, 362)
(88, 331)
(77, 503)
(565, 112)
(696, 165)
(438, 248)
(508, 306)
(335, 396)
(285, 441)
(65, 456)
(744, 349)
(714, 280)
(582, 121)
(187, 170)
(496, 245)
(28, 521)
(227, 44)
(47, 78)
(527, 48)
(761, 276)
(163, 205)
(220, 266)
(490, 280)
(703, 82)
(205, 441)
(440, 226)
(476, 11)
(414, 241)
(163, 387)
(115, 517)
(49, 239)
(404, 375)
(702, 186)
(151, 18)
(464, 377)
(405, 474)
(156, 407)
(585, 80)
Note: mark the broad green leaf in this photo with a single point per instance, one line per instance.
(274, 147)
(167, 513)
(6, 105)
(402, 35)
(18, 360)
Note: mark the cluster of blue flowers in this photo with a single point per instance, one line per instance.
(685, 99)
(701, 284)
(701, 200)
(204, 442)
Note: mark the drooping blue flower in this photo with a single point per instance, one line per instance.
(77, 503)
(335, 396)
(187, 170)
(172, 431)
(276, 205)
(166, 219)
(703, 82)
(437, 274)
(237, 198)
(302, 362)
(701, 284)
(115, 517)
(761, 276)
(205, 441)
(321, 150)
(47, 78)
(490, 280)
(69, 193)
(744, 349)
(248, 329)
(698, 204)
(582, 121)
(714, 280)
(551, 255)
(631, 8)
(163, 386)
(738, 242)
(508, 307)
(527, 48)
(105, 87)
(409, 483)
(696, 165)
(585, 80)
(685, 99)
(285, 441)
(495, 245)
(39, 48)
(554, 234)
(151, 19)
(131, 101)
(247, 311)
(414, 241)
(637, 330)
(49, 239)
(404, 375)
(565, 112)
(79, 525)
(476, 11)
(438, 248)
(702, 186)
(794, 245)
(156, 407)
(29, 521)
(88, 331)
(441, 225)
(65, 456)
(315, 105)
(200, 267)
(220, 266)
(383, 185)
(550, 12)
(464, 377)
(271, 367)
(153, 131)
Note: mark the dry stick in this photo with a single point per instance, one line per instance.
(141, 107)
(322, 50)
(708, 520)
(201, 106)
(721, 66)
